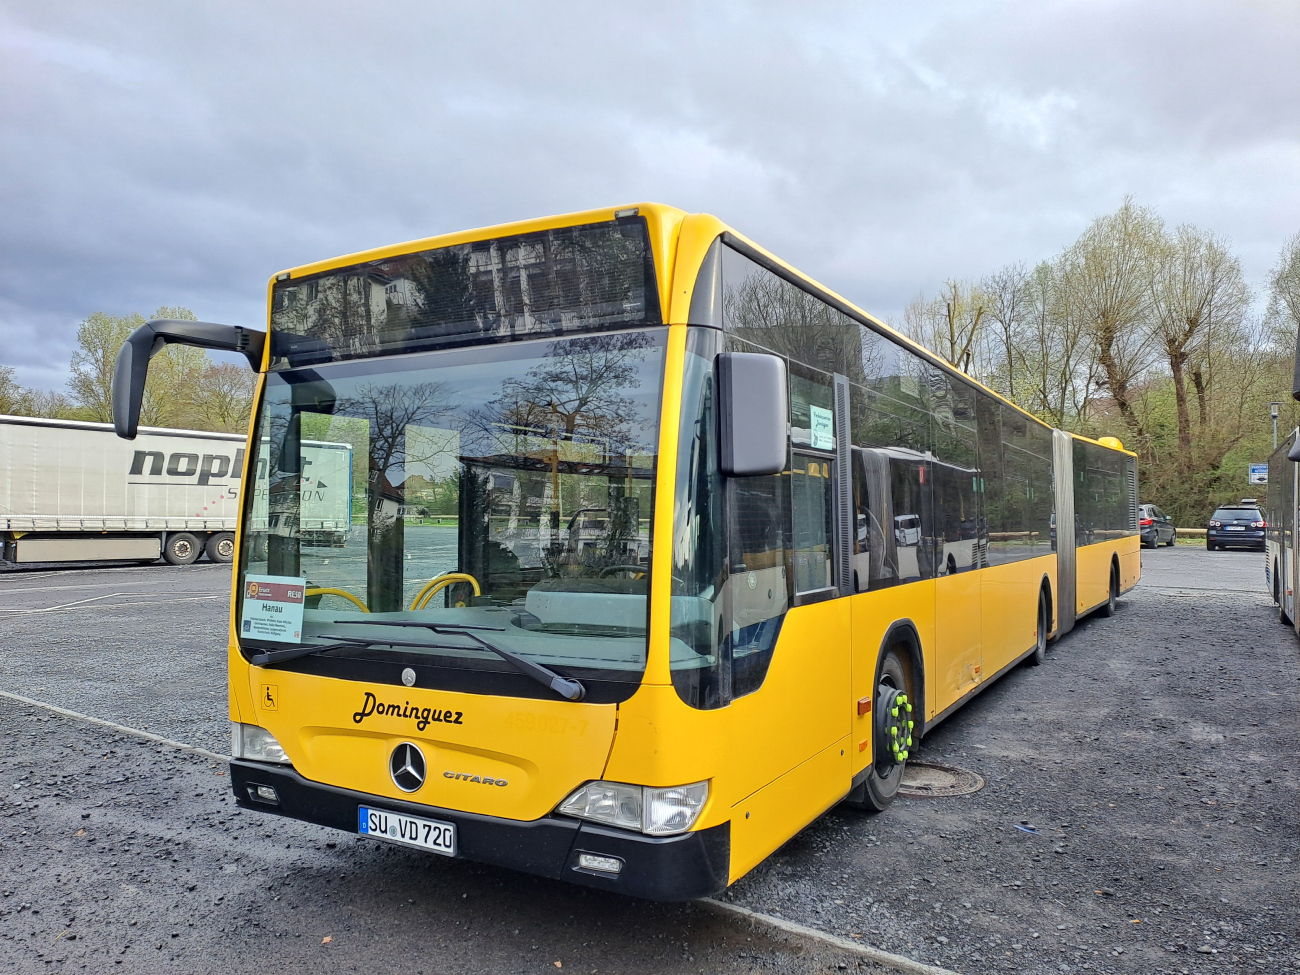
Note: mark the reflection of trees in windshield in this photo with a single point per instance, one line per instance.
(561, 474)
(578, 390)
(552, 281)
(390, 411)
(774, 314)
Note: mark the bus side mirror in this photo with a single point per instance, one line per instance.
(132, 367)
(1294, 452)
(753, 414)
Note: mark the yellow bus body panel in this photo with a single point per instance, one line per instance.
(762, 822)
(791, 718)
(1009, 602)
(1092, 570)
(542, 748)
(1130, 562)
(956, 655)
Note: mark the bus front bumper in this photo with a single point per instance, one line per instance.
(668, 868)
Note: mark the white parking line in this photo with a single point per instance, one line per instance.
(79, 602)
(110, 595)
(136, 732)
(878, 955)
(88, 585)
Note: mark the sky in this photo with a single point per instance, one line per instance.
(156, 153)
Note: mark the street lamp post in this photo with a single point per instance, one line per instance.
(1272, 409)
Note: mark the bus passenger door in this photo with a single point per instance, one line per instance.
(957, 590)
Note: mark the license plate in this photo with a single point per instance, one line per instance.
(1236, 528)
(427, 834)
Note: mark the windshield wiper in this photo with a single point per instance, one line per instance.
(269, 658)
(570, 690)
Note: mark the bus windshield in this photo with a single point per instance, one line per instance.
(507, 487)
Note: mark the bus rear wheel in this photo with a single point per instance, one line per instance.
(893, 722)
(1108, 608)
(1277, 598)
(1040, 648)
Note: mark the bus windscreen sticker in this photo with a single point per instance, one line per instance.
(823, 428)
(273, 608)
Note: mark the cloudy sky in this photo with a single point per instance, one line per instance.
(180, 153)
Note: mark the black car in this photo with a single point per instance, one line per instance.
(1235, 526)
(1156, 526)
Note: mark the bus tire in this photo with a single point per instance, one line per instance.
(886, 774)
(181, 548)
(1277, 598)
(220, 547)
(1108, 607)
(1040, 649)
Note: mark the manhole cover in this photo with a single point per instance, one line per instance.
(923, 780)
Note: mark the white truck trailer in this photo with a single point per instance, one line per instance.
(73, 491)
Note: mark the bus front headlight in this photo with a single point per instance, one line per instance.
(255, 744)
(655, 812)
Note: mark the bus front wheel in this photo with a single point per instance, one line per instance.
(894, 721)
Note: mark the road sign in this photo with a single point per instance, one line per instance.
(1258, 474)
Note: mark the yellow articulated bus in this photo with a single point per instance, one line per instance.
(657, 549)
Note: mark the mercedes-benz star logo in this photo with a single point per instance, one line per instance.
(407, 767)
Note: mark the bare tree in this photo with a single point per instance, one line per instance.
(1198, 293)
(1284, 293)
(1108, 273)
(223, 399)
(950, 325)
(1006, 297)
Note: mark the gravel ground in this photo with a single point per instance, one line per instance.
(143, 646)
(1153, 761)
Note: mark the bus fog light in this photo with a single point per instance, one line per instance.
(673, 810)
(263, 793)
(600, 864)
(612, 803)
(256, 744)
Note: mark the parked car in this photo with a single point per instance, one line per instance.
(1157, 528)
(1236, 526)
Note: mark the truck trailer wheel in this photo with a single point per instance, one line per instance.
(181, 548)
(220, 547)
